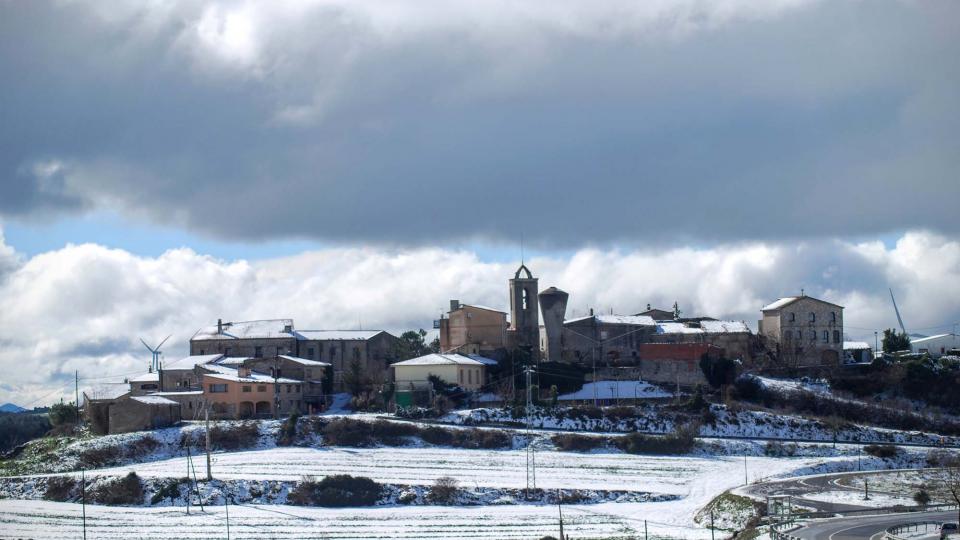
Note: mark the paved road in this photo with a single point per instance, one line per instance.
(867, 527)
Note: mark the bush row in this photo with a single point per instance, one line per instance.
(357, 433)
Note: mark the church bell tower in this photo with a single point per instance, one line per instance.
(525, 311)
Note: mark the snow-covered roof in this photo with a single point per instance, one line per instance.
(930, 338)
(154, 400)
(676, 328)
(265, 329)
(253, 377)
(614, 390)
(478, 306)
(724, 327)
(779, 303)
(437, 359)
(232, 360)
(855, 345)
(184, 393)
(304, 361)
(345, 335)
(634, 320)
(106, 391)
(191, 362)
(483, 359)
(219, 368)
(146, 377)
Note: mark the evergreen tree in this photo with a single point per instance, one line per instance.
(894, 341)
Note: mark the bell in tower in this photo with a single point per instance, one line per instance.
(525, 311)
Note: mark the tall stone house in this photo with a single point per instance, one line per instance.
(473, 329)
(373, 349)
(806, 331)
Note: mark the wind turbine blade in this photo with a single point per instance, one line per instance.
(145, 345)
(164, 341)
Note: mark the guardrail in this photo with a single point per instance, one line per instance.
(781, 530)
(893, 533)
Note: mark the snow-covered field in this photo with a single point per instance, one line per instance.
(485, 468)
(40, 519)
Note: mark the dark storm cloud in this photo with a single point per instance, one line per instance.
(345, 122)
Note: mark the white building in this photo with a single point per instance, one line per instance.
(935, 346)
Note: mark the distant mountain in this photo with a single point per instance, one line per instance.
(10, 407)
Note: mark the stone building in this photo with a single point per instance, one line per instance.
(806, 331)
(373, 349)
(473, 329)
(183, 375)
(524, 331)
(605, 339)
(119, 412)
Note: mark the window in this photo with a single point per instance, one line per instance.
(226, 351)
(799, 335)
(524, 296)
(289, 388)
(258, 352)
(309, 373)
(356, 353)
(296, 388)
(310, 353)
(813, 317)
(833, 316)
(836, 336)
(792, 317)
(189, 404)
(813, 335)
(279, 350)
(470, 376)
(261, 388)
(245, 389)
(218, 388)
(201, 352)
(826, 336)
(333, 352)
(461, 376)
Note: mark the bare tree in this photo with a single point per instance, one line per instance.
(951, 480)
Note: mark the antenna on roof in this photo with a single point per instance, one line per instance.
(155, 351)
(521, 249)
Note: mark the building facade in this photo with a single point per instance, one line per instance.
(374, 350)
(473, 329)
(806, 331)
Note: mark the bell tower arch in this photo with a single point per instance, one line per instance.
(525, 310)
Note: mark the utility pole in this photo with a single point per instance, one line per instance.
(712, 533)
(746, 479)
(645, 536)
(276, 388)
(83, 500)
(560, 509)
(593, 356)
(188, 477)
(531, 452)
(226, 507)
(206, 416)
(76, 391)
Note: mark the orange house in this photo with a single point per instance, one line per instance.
(247, 394)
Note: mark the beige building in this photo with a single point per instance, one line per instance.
(472, 329)
(466, 372)
(806, 331)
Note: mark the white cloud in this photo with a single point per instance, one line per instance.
(84, 307)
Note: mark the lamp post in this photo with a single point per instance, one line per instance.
(876, 342)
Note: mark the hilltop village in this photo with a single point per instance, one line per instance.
(272, 368)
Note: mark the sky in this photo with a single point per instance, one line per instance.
(358, 164)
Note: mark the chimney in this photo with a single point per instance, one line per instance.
(219, 326)
(454, 305)
(243, 371)
(591, 312)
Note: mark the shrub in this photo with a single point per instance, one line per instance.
(168, 489)
(141, 447)
(883, 451)
(346, 432)
(60, 488)
(922, 497)
(336, 491)
(234, 436)
(126, 490)
(437, 436)
(391, 433)
(570, 442)
(444, 490)
(99, 456)
(480, 438)
(679, 442)
(288, 430)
